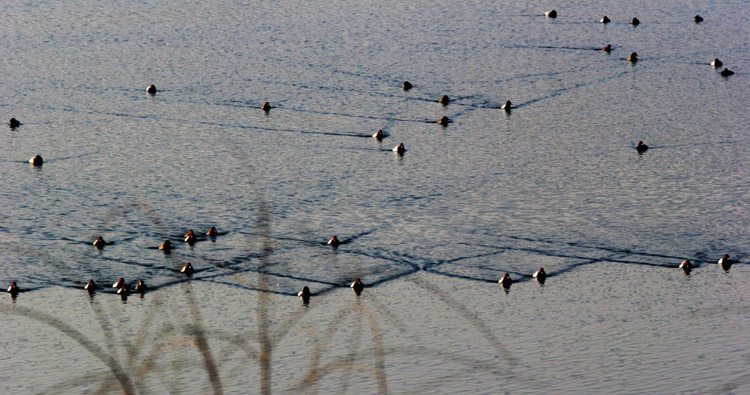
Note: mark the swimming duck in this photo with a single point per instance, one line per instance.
(379, 135)
(407, 85)
(13, 289)
(99, 243)
(190, 237)
(187, 269)
(633, 57)
(725, 262)
(505, 281)
(399, 149)
(90, 286)
(604, 20)
(698, 19)
(686, 265)
(36, 160)
(166, 246)
(212, 232)
(123, 290)
(551, 14)
(266, 107)
(151, 90)
(304, 294)
(14, 123)
(334, 242)
(635, 22)
(608, 48)
(141, 287)
(119, 283)
(443, 121)
(641, 148)
(540, 275)
(717, 63)
(445, 100)
(726, 72)
(507, 106)
(357, 286)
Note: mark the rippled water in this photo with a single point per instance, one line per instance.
(556, 183)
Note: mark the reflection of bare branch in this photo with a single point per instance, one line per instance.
(69, 331)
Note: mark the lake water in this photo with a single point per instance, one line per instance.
(555, 183)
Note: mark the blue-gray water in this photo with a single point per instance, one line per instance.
(556, 183)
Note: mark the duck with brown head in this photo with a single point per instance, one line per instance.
(99, 243)
(187, 269)
(13, 289)
(444, 121)
(445, 100)
(540, 275)
(141, 287)
(120, 282)
(505, 281)
(725, 262)
(640, 147)
(190, 237)
(608, 48)
(379, 135)
(399, 149)
(166, 246)
(686, 266)
(91, 286)
(212, 232)
(266, 107)
(151, 90)
(357, 286)
(334, 241)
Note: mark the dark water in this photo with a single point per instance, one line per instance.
(556, 183)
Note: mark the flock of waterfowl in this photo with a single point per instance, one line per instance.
(540, 275)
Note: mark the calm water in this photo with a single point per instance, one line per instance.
(556, 183)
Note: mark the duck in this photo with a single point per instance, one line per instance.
(99, 243)
(551, 14)
(641, 148)
(726, 72)
(540, 275)
(399, 149)
(266, 107)
(505, 281)
(605, 19)
(151, 90)
(91, 286)
(334, 241)
(304, 294)
(141, 287)
(36, 160)
(443, 121)
(633, 57)
(507, 106)
(608, 48)
(445, 100)
(14, 123)
(717, 63)
(166, 246)
(212, 232)
(379, 135)
(407, 85)
(635, 22)
(123, 290)
(698, 19)
(187, 269)
(13, 289)
(190, 237)
(686, 265)
(120, 282)
(357, 286)
(725, 262)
